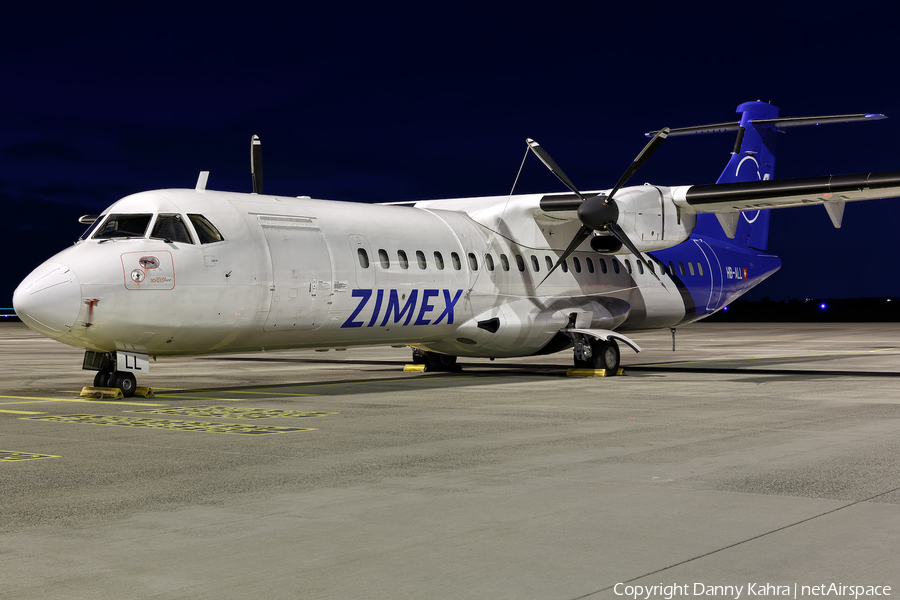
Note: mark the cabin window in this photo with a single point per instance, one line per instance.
(170, 228)
(385, 260)
(206, 231)
(439, 261)
(456, 263)
(691, 268)
(615, 265)
(576, 264)
(640, 266)
(628, 266)
(504, 262)
(520, 262)
(122, 226)
(602, 265)
(363, 257)
(473, 262)
(681, 268)
(699, 270)
(404, 262)
(489, 261)
(590, 264)
(535, 264)
(650, 266)
(564, 266)
(671, 267)
(420, 258)
(549, 262)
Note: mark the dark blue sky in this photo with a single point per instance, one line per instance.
(429, 101)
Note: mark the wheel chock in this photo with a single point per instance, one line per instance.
(144, 392)
(593, 372)
(413, 368)
(100, 393)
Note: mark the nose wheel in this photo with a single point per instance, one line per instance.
(123, 380)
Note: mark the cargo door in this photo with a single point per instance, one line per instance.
(301, 273)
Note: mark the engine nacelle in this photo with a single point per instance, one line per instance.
(651, 219)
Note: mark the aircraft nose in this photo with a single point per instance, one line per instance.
(49, 299)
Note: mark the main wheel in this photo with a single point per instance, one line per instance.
(439, 362)
(126, 382)
(605, 355)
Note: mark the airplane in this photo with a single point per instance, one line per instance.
(178, 272)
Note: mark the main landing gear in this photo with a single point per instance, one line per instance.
(593, 353)
(434, 361)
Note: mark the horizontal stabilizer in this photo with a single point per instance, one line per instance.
(778, 123)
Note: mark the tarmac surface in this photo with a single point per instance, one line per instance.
(752, 455)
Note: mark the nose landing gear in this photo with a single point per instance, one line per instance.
(107, 375)
(123, 380)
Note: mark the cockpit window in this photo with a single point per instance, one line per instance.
(91, 229)
(206, 231)
(171, 228)
(123, 226)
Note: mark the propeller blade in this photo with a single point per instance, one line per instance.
(256, 172)
(551, 164)
(640, 159)
(620, 235)
(582, 235)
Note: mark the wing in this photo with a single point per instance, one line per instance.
(726, 200)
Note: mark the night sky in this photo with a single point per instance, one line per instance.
(382, 104)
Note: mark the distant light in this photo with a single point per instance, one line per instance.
(822, 306)
(725, 308)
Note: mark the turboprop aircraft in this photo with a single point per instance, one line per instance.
(183, 272)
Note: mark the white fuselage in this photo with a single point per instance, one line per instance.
(303, 273)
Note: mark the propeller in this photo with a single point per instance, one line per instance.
(599, 213)
(256, 172)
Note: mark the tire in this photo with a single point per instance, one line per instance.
(439, 362)
(605, 355)
(101, 379)
(126, 382)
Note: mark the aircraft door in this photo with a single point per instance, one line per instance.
(715, 274)
(362, 260)
(301, 273)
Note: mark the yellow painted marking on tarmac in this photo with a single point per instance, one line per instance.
(23, 412)
(43, 398)
(170, 424)
(767, 357)
(227, 412)
(49, 400)
(249, 392)
(11, 456)
(201, 398)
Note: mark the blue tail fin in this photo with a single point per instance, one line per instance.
(752, 159)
